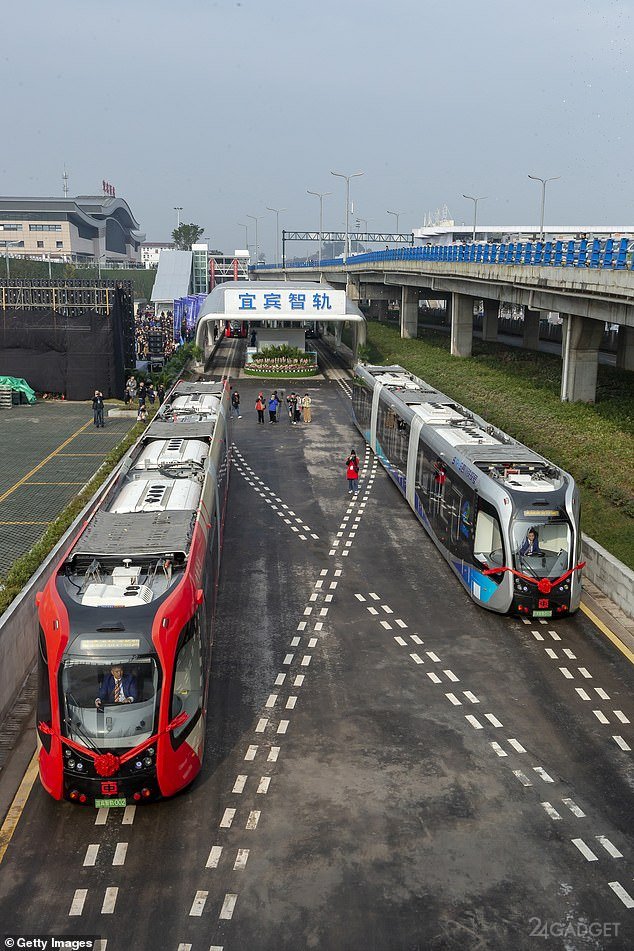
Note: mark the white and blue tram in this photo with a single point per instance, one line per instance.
(505, 519)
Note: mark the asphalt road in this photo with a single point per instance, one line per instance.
(388, 766)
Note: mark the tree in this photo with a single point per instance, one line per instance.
(186, 235)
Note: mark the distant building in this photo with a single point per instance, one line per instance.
(151, 252)
(211, 268)
(83, 229)
(456, 234)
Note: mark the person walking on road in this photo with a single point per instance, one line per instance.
(307, 408)
(259, 405)
(97, 409)
(352, 472)
(235, 404)
(292, 408)
(273, 407)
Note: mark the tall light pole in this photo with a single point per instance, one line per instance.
(278, 212)
(397, 215)
(347, 178)
(246, 234)
(475, 211)
(7, 245)
(178, 209)
(544, 181)
(256, 218)
(321, 196)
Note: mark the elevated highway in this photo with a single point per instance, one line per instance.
(588, 287)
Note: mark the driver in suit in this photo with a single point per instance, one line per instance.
(117, 687)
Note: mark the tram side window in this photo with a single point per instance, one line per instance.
(393, 435)
(362, 403)
(487, 543)
(44, 714)
(187, 695)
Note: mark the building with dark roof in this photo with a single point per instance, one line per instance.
(86, 228)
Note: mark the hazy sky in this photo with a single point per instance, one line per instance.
(226, 107)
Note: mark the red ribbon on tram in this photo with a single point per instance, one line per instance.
(107, 764)
(544, 585)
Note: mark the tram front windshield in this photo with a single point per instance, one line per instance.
(541, 549)
(109, 704)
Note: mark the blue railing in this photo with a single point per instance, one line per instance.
(609, 253)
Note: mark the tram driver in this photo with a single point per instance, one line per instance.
(530, 545)
(117, 687)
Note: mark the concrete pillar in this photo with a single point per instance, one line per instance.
(359, 337)
(352, 289)
(409, 312)
(625, 348)
(580, 350)
(338, 327)
(461, 325)
(531, 329)
(378, 309)
(490, 319)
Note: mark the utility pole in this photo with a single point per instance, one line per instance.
(321, 196)
(347, 178)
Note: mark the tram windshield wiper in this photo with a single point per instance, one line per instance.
(76, 728)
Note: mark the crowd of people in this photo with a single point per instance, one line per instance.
(139, 394)
(298, 408)
(147, 322)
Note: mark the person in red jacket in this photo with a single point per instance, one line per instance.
(352, 472)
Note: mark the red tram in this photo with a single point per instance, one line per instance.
(126, 619)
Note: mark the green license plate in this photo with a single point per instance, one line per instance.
(104, 803)
(542, 613)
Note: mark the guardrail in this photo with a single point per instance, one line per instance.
(615, 254)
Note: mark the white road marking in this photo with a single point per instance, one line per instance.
(525, 781)
(290, 703)
(517, 746)
(400, 623)
(77, 904)
(214, 856)
(250, 753)
(498, 749)
(240, 783)
(288, 659)
(102, 816)
(373, 610)
(574, 808)
(324, 611)
(181, 947)
(312, 642)
(262, 724)
(273, 754)
(91, 855)
(453, 699)
(570, 654)
(307, 611)
(416, 639)
(386, 625)
(271, 699)
(263, 785)
(609, 848)
(319, 625)
(306, 660)
(449, 674)
(254, 818)
(338, 572)
(555, 636)
(601, 717)
(128, 815)
(417, 659)
(313, 597)
(299, 680)
(318, 584)
(120, 853)
(587, 853)
(621, 716)
(324, 572)
(374, 596)
(470, 696)
(241, 860)
(475, 723)
(432, 676)
(333, 585)
(537, 635)
(493, 719)
(227, 819)
(432, 656)
(625, 897)
(566, 673)
(109, 900)
(621, 742)
(328, 598)
(551, 653)
(582, 693)
(198, 904)
(387, 609)
(601, 693)
(585, 673)
(541, 772)
(401, 641)
(283, 726)
(552, 812)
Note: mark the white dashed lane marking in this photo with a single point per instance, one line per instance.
(198, 904)
(214, 857)
(77, 904)
(91, 855)
(109, 900)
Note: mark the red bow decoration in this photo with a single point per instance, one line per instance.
(107, 764)
(544, 585)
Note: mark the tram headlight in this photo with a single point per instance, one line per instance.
(79, 767)
(151, 751)
(138, 764)
(72, 763)
(67, 753)
(147, 761)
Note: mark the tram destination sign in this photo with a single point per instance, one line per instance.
(294, 302)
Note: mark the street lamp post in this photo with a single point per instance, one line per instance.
(278, 212)
(178, 209)
(347, 178)
(7, 245)
(397, 215)
(246, 234)
(544, 182)
(321, 196)
(256, 218)
(475, 210)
